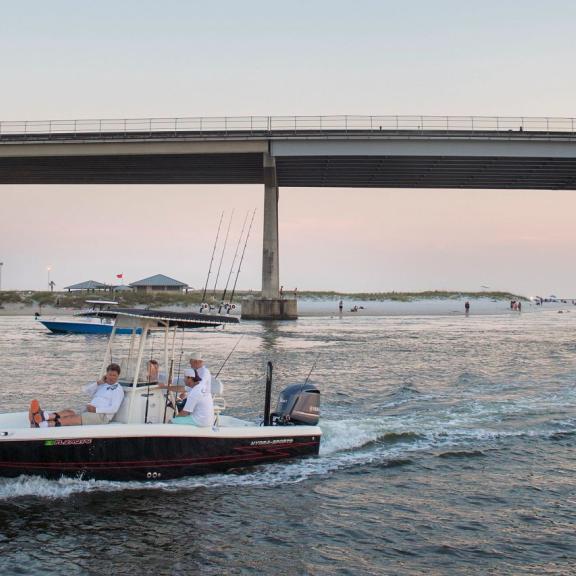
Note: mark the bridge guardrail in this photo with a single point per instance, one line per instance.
(297, 124)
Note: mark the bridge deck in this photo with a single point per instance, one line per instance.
(305, 157)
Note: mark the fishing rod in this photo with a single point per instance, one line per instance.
(242, 258)
(228, 357)
(170, 375)
(222, 255)
(212, 258)
(235, 255)
(169, 382)
(311, 370)
(178, 376)
(148, 378)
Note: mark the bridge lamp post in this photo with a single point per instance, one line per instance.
(1, 265)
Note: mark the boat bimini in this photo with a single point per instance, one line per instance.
(141, 443)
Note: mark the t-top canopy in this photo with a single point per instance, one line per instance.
(165, 317)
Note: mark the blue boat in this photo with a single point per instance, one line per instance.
(95, 320)
(83, 327)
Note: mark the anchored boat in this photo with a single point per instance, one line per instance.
(93, 320)
(99, 319)
(141, 443)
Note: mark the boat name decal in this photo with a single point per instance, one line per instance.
(274, 441)
(69, 442)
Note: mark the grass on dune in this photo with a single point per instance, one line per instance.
(157, 299)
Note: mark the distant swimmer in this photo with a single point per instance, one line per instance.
(467, 307)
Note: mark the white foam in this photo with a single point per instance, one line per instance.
(346, 443)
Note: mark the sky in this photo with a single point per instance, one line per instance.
(66, 59)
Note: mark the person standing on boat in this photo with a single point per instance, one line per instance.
(199, 407)
(106, 397)
(197, 364)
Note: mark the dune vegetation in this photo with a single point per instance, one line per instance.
(156, 299)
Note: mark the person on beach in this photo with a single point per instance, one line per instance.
(106, 397)
(467, 307)
(341, 306)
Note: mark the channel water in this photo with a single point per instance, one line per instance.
(448, 449)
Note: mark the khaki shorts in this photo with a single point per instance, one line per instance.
(90, 418)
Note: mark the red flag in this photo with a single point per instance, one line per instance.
(119, 275)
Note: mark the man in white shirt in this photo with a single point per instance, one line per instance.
(106, 397)
(199, 407)
(197, 364)
(199, 374)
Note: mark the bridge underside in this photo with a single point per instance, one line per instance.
(427, 172)
(373, 171)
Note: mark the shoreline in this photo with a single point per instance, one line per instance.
(310, 307)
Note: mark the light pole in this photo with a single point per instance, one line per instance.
(48, 268)
(1, 264)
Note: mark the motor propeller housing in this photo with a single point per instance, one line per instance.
(298, 404)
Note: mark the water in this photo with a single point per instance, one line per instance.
(448, 449)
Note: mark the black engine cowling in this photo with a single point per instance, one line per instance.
(298, 404)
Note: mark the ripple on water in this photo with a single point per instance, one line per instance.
(447, 448)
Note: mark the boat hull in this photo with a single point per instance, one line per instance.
(151, 457)
(58, 327)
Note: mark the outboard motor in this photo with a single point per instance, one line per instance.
(298, 404)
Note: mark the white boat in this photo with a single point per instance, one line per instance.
(141, 443)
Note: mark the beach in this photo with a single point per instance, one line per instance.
(329, 307)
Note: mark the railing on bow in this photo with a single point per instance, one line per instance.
(297, 124)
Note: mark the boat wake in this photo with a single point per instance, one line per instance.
(347, 443)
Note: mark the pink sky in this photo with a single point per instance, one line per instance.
(340, 239)
(140, 59)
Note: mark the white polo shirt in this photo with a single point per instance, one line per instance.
(106, 398)
(205, 380)
(200, 406)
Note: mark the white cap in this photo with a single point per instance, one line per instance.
(189, 373)
(196, 356)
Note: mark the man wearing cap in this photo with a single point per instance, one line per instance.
(199, 407)
(197, 364)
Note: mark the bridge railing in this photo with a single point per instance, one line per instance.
(229, 125)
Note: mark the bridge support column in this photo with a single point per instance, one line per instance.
(271, 306)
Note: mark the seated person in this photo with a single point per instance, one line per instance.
(199, 407)
(181, 389)
(106, 397)
(153, 374)
(201, 373)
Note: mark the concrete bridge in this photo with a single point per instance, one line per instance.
(298, 151)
